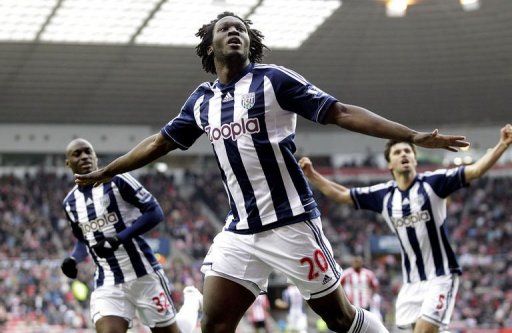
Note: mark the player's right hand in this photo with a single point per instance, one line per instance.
(68, 267)
(306, 166)
(506, 135)
(96, 178)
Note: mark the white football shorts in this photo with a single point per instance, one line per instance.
(149, 296)
(300, 251)
(432, 300)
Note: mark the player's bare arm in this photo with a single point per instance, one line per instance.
(480, 167)
(145, 152)
(361, 120)
(332, 190)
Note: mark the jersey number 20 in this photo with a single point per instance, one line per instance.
(318, 260)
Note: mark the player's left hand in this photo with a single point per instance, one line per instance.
(506, 134)
(436, 140)
(68, 267)
(105, 246)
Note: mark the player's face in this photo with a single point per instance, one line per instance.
(402, 158)
(357, 263)
(81, 157)
(230, 38)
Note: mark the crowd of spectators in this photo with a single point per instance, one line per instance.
(35, 236)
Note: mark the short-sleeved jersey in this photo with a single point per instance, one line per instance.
(417, 217)
(98, 212)
(359, 286)
(250, 123)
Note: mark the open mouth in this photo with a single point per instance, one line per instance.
(234, 41)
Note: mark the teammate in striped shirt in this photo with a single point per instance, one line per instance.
(249, 115)
(108, 222)
(414, 207)
(297, 319)
(359, 283)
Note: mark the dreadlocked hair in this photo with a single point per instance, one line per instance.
(206, 35)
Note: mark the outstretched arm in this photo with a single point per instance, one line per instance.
(332, 190)
(360, 120)
(480, 167)
(145, 152)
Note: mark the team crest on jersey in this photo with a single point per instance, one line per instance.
(420, 200)
(248, 100)
(105, 201)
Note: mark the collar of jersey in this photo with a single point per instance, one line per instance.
(246, 70)
(408, 187)
(83, 188)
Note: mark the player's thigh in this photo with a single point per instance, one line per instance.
(439, 300)
(233, 256)
(152, 298)
(111, 301)
(173, 328)
(334, 308)
(111, 324)
(302, 253)
(224, 303)
(409, 303)
(423, 326)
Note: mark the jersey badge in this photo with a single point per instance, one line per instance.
(248, 100)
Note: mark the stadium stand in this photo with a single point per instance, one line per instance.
(35, 237)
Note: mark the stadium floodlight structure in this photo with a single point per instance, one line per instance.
(286, 23)
(397, 8)
(470, 5)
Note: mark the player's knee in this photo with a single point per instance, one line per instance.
(338, 323)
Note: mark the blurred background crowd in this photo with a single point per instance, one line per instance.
(35, 237)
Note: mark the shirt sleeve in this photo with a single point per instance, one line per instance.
(184, 129)
(370, 197)
(133, 192)
(295, 94)
(79, 252)
(77, 232)
(446, 181)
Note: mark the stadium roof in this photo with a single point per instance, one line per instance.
(438, 65)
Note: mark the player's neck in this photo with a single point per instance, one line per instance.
(229, 70)
(405, 179)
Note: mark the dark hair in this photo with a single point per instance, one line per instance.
(391, 143)
(206, 35)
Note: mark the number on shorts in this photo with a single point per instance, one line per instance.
(319, 260)
(161, 302)
(440, 305)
